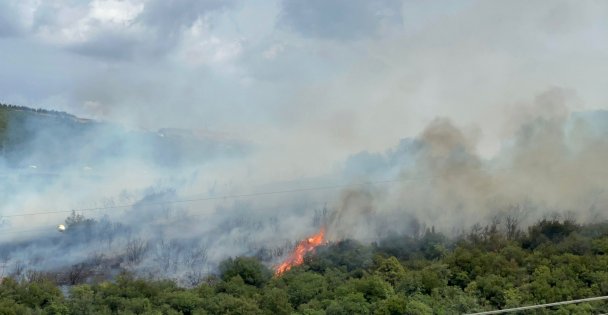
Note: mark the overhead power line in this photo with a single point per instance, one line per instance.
(209, 198)
(47, 228)
(530, 307)
(235, 196)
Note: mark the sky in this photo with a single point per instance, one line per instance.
(465, 105)
(308, 82)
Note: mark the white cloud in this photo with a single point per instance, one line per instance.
(73, 25)
(118, 29)
(198, 46)
(212, 50)
(114, 11)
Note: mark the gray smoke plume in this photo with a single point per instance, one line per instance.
(552, 165)
(175, 203)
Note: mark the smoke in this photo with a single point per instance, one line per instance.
(553, 164)
(260, 102)
(174, 203)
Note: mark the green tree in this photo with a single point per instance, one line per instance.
(82, 300)
(249, 269)
(227, 304)
(304, 286)
(372, 287)
(185, 302)
(395, 305)
(417, 308)
(353, 303)
(390, 270)
(275, 301)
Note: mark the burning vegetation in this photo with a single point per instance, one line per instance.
(297, 257)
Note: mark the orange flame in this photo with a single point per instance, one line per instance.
(297, 257)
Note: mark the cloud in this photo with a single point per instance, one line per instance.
(341, 19)
(273, 51)
(13, 18)
(9, 26)
(198, 47)
(110, 44)
(293, 76)
(170, 17)
(120, 30)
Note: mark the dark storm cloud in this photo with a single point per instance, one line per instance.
(340, 19)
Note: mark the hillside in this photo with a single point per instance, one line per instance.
(51, 140)
(484, 269)
(159, 255)
(13, 120)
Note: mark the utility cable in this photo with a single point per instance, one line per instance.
(530, 307)
(235, 196)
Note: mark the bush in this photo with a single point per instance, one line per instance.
(249, 269)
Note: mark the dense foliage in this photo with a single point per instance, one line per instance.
(485, 269)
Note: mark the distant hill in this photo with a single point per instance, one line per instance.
(19, 124)
(53, 140)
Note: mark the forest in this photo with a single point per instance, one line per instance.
(292, 157)
(121, 265)
(489, 267)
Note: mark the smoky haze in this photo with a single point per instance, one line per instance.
(200, 127)
(551, 165)
(180, 220)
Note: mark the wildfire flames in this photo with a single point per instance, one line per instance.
(297, 257)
